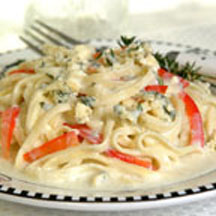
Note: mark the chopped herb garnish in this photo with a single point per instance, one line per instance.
(172, 113)
(2, 74)
(46, 106)
(112, 53)
(50, 76)
(188, 71)
(110, 57)
(42, 64)
(60, 93)
(160, 81)
(62, 96)
(139, 107)
(109, 62)
(42, 104)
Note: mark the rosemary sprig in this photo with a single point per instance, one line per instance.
(109, 54)
(188, 71)
(126, 41)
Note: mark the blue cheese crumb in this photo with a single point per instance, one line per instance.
(82, 113)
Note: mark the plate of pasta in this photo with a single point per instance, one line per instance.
(108, 126)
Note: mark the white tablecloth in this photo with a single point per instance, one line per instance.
(203, 36)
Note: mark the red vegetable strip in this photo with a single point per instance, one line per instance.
(27, 71)
(91, 70)
(96, 55)
(87, 133)
(59, 143)
(195, 120)
(167, 75)
(157, 88)
(129, 159)
(7, 128)
(81, 94)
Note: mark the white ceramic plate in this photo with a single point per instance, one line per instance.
(30, 193)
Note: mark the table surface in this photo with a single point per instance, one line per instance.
(201, 35)
(201, 208)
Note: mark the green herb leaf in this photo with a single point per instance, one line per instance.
(172, 113)
(188, 71)
(126, 41)
(42, 104)
(160, 81)
(50, 76)
(112, 53)
(109, 62)
(139, 107)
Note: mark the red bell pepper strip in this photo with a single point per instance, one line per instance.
(195, 120)
(85, 132)
(80, 94)
(59, 143)
(91, 70)
(129, 159)
(96, 55)
(7, 128)
(167, 76)
(157, 88)
(27, 71)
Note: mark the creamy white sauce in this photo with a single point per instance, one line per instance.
(190, 167)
